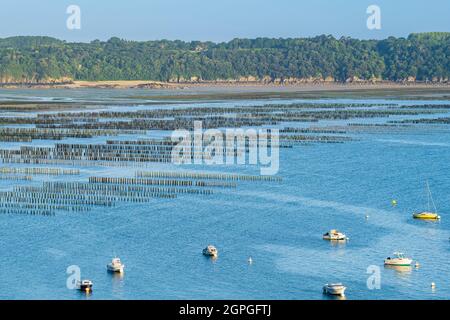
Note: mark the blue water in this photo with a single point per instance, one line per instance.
(278, 224)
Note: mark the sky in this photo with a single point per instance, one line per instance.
(217, 21)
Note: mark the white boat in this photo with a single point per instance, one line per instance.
(334, 235)
(335, 289)
(398, 260)
(85, 285)
(210, 251)
(115, 266)
(429, 214)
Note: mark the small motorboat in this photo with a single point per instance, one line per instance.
(210, 251)
(334, 289)
(428, 215)
(398, 260)
(85, 285)
(334, 235)
(115, 266)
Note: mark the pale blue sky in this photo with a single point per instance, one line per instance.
(220, 20)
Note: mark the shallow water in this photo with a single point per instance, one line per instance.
(278, 224)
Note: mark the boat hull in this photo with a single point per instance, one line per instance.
(426, 216)
(114, 269)
(85, 286)
(398, 262)
(334, 291)
(399, 269)
(210, 252)
(331, 238)
(334, 236)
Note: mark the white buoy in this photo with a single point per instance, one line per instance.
(250, 260)
(417, 265)
(367, 216)
(433, 285)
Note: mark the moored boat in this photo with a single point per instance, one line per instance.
(334, 235)
(115, 266)
(428, 215)
(210, 251)
(335, 289)
(398, 260)
(85, 285)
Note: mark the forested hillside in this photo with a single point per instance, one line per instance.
(421, 57)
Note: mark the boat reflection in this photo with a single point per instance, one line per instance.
(118, 284)
(86, 295)
(338, 243)
(117, 277)
(400, 270)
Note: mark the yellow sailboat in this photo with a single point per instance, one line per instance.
(428, 215)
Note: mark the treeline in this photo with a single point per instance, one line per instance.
(421, 57)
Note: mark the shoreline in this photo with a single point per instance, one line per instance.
(155, 85)
(151, 93)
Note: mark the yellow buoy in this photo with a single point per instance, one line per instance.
(394, 202)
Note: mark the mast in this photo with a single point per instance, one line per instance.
(430, 198)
